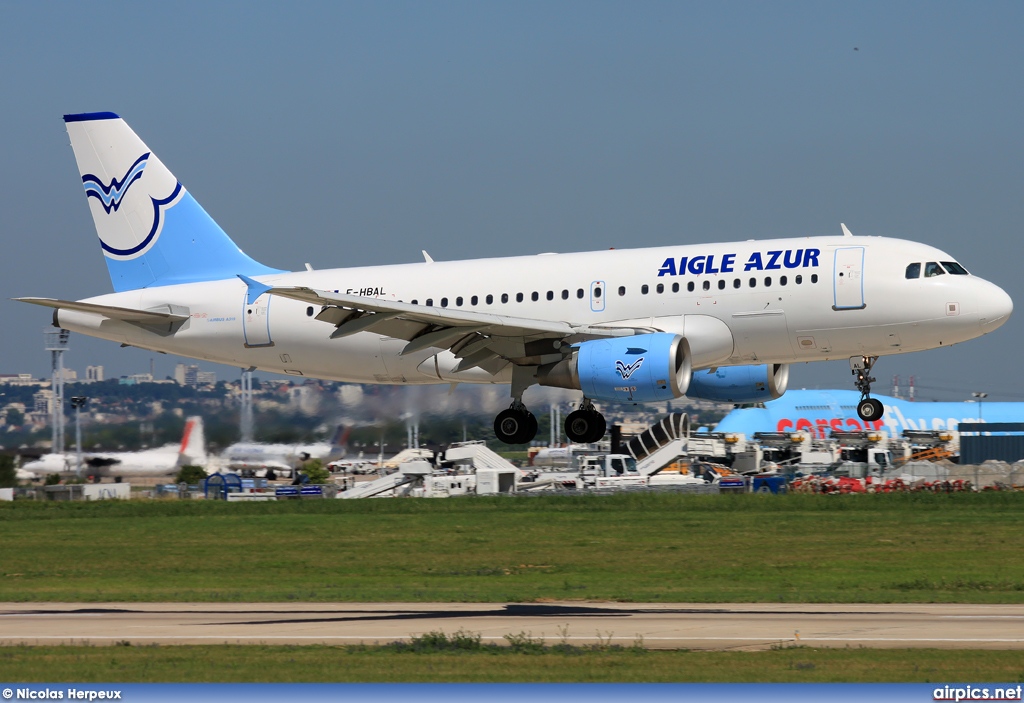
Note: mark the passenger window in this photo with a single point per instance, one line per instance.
(535, 296)
(645, 289)
(753, 282)
(474, 300)
(955, 268)
(458, 302)
(767, 281)
(736, 283)
(721, 284)
(814, 278)
(565, 295)
(415, 302)
(660, 288)
(597, 292)
(914, 270)
(799, 279)
(783, 280)
(519, 297)
(689, 286)
(430, 302)
(707, 285)
(675, 287)
(504, 297)
(622, 290)
(490, 299)
(579, 293)
(551, 295)
(444, 302)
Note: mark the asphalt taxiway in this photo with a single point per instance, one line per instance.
(658, 626)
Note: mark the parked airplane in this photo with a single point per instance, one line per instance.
(621, 325)
(284, 457)
(161, 461)
(819, 412)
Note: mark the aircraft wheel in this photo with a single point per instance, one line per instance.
(580, 425)
(531, 428)
(599, 427)
(870, 409)
(515, 426)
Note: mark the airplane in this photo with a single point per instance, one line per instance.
(717, 321)
(284, 457)
(160, 461)
(820, 411)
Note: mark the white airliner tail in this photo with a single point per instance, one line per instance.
(151, 230)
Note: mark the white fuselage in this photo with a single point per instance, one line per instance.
(852, 299)
(254, 455)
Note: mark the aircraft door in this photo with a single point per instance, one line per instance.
(848, 279)
(598, 293)
(256, 321)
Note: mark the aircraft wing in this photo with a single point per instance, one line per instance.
(477, 338)
(116, 313)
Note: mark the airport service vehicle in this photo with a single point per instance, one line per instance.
(160, 461)
(715, 321)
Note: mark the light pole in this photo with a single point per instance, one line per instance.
(78, 402)
(981, 397)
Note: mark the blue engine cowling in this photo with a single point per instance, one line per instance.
(740, 384)
(637, 369)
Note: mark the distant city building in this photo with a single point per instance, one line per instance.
(135, 379)
(93, 373)
(70, 375)
(42, 401)
(186, 375)
(21, 379)
(206, 378)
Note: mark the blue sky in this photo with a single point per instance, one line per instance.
(359, 133)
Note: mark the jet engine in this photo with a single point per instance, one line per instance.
(641, 368)
(740, 384)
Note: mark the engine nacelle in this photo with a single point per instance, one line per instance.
(637, 369)
(740, 384)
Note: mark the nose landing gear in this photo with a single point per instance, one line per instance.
(869, 409)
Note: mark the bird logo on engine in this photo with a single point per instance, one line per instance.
(626, 370)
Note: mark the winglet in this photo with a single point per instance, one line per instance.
(256, 289)
(846, 232)
(426, 257)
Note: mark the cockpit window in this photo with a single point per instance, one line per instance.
(932, 268)
(955, 268)
(914, 270)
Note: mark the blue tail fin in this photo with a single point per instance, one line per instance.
(152, 231)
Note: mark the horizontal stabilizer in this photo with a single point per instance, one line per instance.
(113, 312)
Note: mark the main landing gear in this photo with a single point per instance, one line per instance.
(586, 424)
(517, 425)
(869, 409)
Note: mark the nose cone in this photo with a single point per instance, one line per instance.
(996, 307)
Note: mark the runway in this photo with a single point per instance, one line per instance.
(656, 626)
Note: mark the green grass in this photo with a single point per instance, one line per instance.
(231, 663)
(962, 548)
